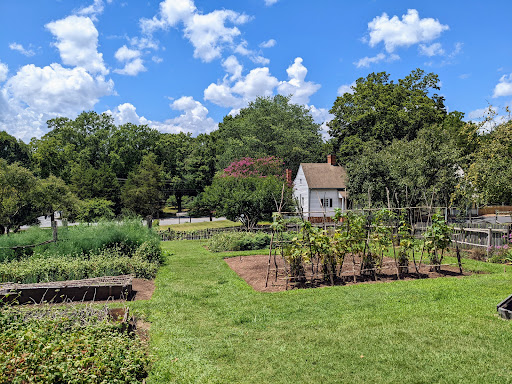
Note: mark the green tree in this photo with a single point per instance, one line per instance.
(384, 110)
(13, 150)
(247, 191)
(269, 126)
(17, 199)
(142, 192)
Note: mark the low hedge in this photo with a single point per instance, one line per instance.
(242, 241)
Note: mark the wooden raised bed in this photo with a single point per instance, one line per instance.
(505, 308)
(95, 289)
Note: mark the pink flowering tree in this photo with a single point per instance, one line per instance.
(248, 190)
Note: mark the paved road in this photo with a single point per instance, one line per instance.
(45, 222)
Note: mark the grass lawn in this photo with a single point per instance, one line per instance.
(201, 225)
(209, 326)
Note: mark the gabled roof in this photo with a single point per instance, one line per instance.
(323, 175)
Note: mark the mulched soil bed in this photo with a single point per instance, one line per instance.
(253, 269)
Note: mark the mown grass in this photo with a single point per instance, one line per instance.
(201, 225)
(209, 326)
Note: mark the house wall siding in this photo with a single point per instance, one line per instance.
(316, 209)
(300, 189)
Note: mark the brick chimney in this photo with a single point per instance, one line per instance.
(289, 180)
(331, 159)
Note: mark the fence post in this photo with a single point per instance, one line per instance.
(489, 236)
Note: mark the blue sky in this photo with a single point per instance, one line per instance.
(182, 65)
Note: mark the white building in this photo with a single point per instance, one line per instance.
(319, 188)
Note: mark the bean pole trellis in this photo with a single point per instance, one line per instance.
(410, 237)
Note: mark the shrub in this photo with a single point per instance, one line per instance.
(240, 241)
(79, 346)
(80, 240)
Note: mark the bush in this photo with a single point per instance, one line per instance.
(79, 347)
(241, 241)
(80, 240)
(109, 262)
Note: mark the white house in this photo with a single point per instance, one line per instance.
(319, 188)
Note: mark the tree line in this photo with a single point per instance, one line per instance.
(398, 142)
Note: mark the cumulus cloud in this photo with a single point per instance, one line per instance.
(408, 31)
(321, 116)
(21, 49)
(34, 95)
(268, 3)
(504, 86)
(208, 33)
(233, 67)
(268, 44)
(254, 56)
(296, 86)
(258, 82)
(133, 63)
(346, 88)
(4, 70)
(77, 42)
(194, 117)
(57, 90)
(367, 61)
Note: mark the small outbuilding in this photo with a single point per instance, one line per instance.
(320, 188)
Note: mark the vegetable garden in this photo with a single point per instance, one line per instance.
(358, 247)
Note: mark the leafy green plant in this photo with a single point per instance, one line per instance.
(437, 240)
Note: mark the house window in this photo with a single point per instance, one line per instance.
(327, 203)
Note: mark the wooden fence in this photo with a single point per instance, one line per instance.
(204, 234)
(470, 235)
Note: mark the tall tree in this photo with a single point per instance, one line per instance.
(13, 150)
(383, 110)
(269, 126)
(142, 192)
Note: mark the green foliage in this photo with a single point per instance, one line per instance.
(92, 210)
(81, 240)
(437, 239)
(79, 346)
(246, 199)
(383, 110)
(142, 191)
(238, 241)
(13, 150)
(269, 126)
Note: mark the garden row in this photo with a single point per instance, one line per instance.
(85, 251)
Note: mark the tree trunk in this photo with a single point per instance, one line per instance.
(149, 220)
(54, 226)
(179, 198)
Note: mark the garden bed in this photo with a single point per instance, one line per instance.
(253, 269)
(94, 289)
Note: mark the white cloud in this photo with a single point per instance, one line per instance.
(268, 3)
(504, 86)
(233, 67)
(96, 8)
(367, 61)
(268, 44)
(321, 116)
(346, 88)
(481, 113)
(194, 118)
(222, 95)
(20, 49)
(253, 55)
(258, 82)
(144, 43)
(434, 49)
(209, 33)
(296, 86)
(4, 70)
(157, 59)
(34, 95)
(132, 68)
(124, 54)
(57, 90)
(77, 42)
(411, 30)
(133, 63)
